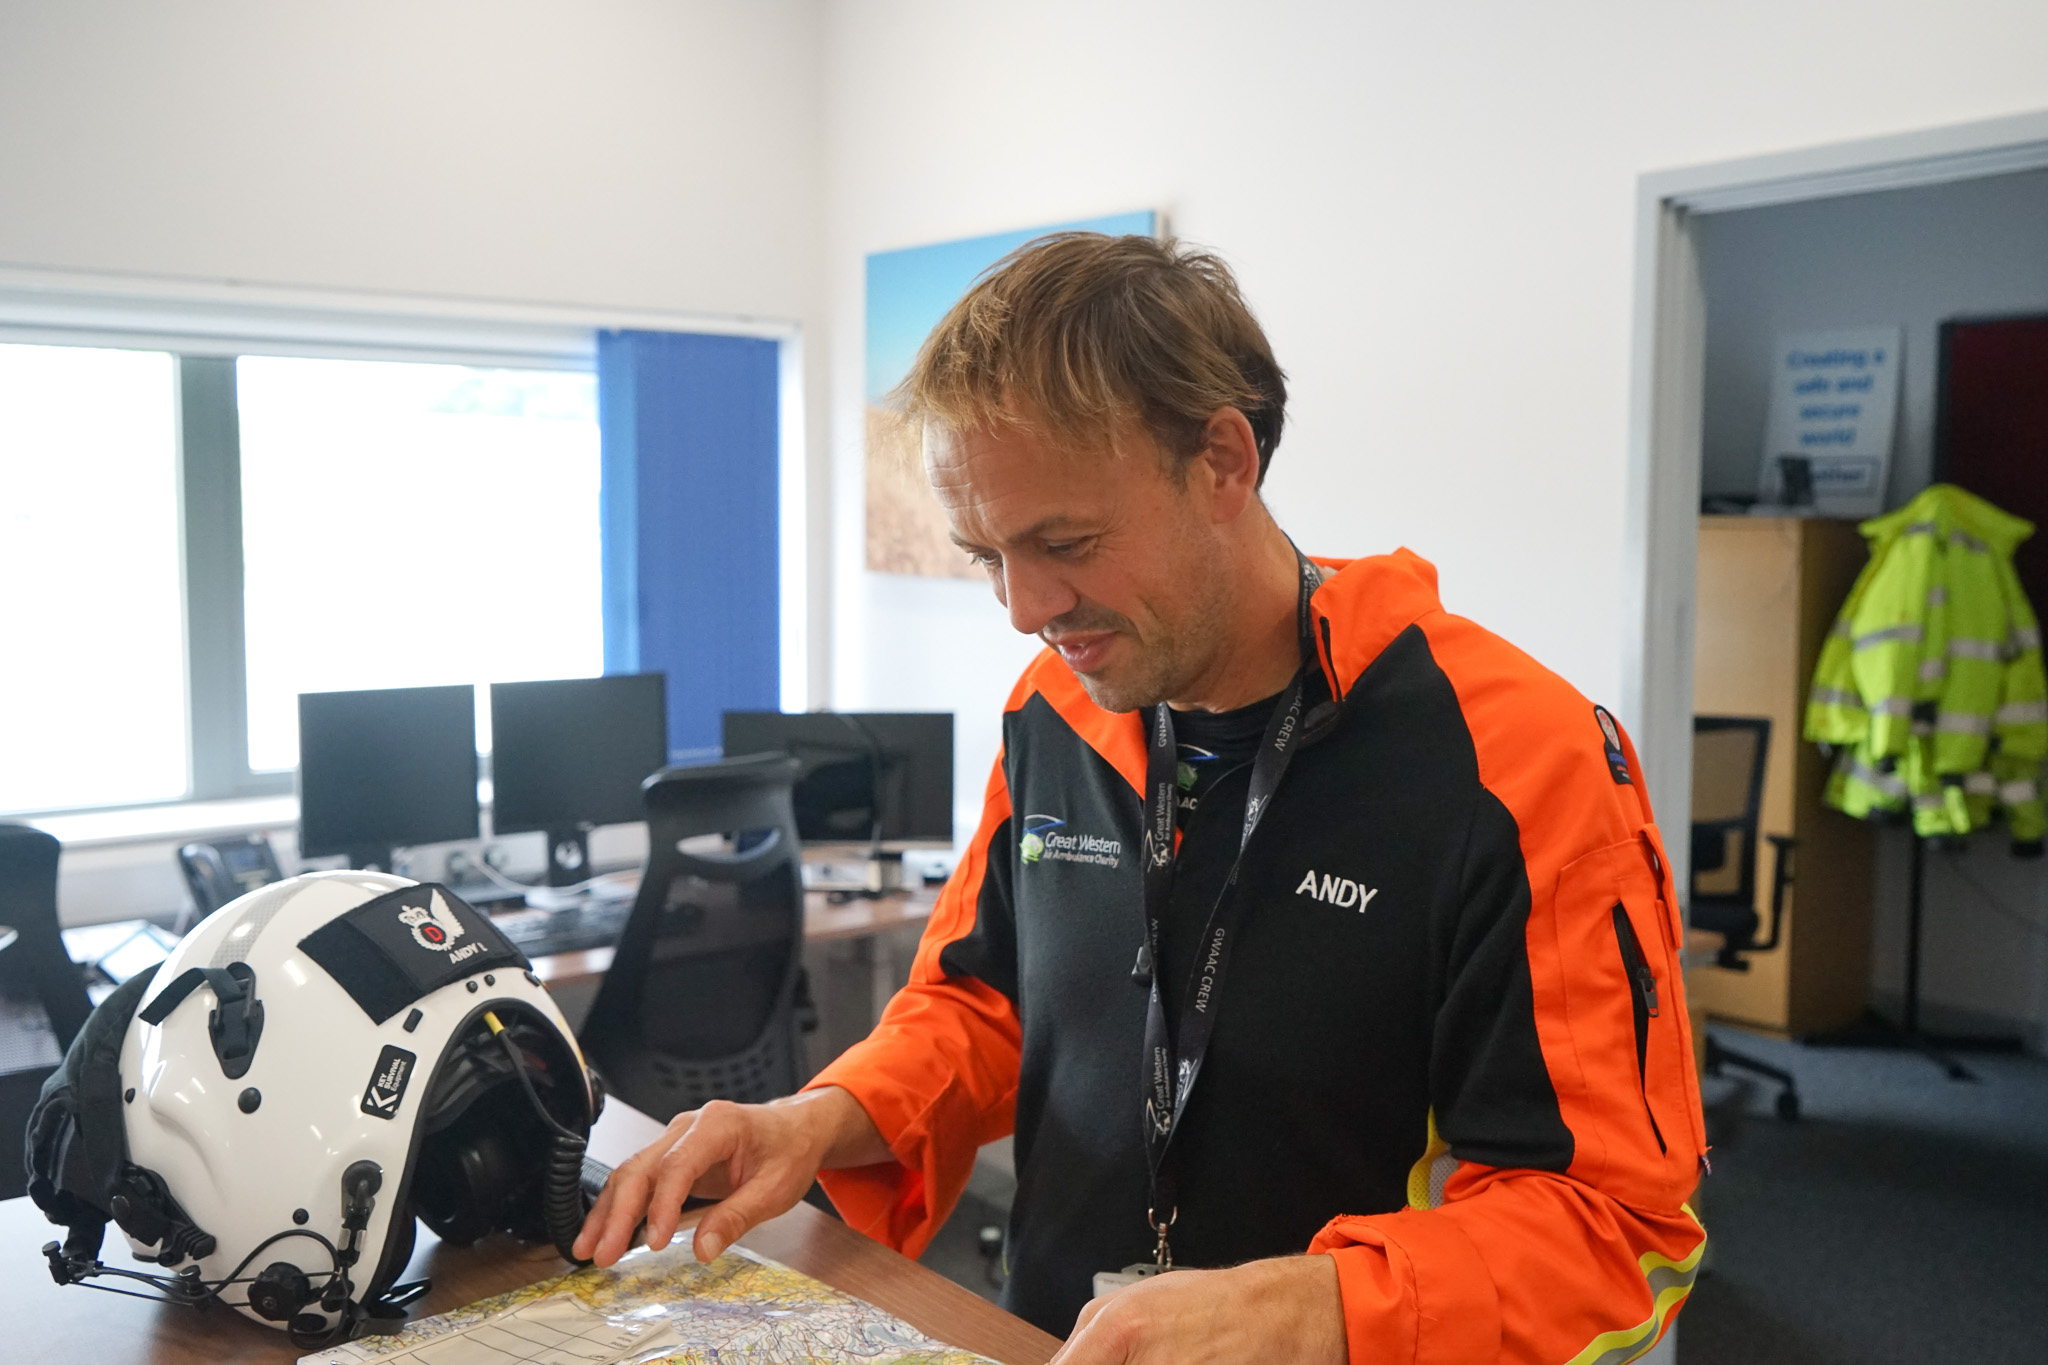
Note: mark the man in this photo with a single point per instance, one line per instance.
(1303, 917)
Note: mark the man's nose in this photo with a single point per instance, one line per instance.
(1034, 596)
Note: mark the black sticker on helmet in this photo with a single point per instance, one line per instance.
(1610, 735)
(389, 952)
(388, 1082)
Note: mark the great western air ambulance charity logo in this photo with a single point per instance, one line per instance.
(1043, 841)
(435, 928)
(1032, 845)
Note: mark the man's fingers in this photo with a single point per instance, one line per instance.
(593, 1223)
(771, 1191)
(710, 1141)
(627, 1191)
(608, 1228)
(1096, 1339)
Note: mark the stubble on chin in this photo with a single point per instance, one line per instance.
(1147, 682)
(1109, 696)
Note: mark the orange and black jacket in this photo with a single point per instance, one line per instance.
(1473, 1086)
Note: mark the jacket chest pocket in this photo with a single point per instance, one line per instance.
(1624, 1003)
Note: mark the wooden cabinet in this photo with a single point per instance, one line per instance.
(1769, 588)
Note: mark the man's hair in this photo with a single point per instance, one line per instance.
(1083, 335)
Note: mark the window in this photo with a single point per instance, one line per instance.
(189, 542)
(92, 693)
(406, 525)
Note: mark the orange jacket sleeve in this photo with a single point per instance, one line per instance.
(939, 1073)
(1494, 1263)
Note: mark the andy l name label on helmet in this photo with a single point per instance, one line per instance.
(388, 952)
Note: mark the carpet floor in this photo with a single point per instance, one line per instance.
(1903, 1217)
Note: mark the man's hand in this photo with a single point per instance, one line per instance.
(757, 1160)
(1284, 1309)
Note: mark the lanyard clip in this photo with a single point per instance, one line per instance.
(1162, 1254)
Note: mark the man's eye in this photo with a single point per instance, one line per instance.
(984, 559)
(1065, 549)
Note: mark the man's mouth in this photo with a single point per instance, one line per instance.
(1084, 651)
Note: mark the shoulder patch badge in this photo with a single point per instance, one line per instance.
(1610, 738)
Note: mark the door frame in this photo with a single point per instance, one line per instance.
(1667, 375)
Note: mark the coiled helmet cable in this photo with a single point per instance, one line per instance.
(563, 1200)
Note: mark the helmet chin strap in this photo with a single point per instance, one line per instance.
(76, 1261)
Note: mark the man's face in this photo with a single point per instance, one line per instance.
(1106, 556)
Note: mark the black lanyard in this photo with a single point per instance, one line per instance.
(1173, 1060)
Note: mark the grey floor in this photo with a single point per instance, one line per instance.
(956, 1251)
(1904, 1217)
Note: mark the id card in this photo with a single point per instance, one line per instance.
(1108, 1282)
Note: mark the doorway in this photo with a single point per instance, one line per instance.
(1791, 1279)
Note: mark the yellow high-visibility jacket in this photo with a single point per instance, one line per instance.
(1931, 683)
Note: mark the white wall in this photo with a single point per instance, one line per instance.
(628, 152)
(1431, 206)
(611, 154)
(1914, 258)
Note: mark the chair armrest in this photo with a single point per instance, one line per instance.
(1783, 869)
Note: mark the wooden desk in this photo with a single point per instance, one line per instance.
(823, 923)
(48, 1322)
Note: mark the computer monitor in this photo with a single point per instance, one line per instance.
(878, 779)
(386, 769)
(571, 754)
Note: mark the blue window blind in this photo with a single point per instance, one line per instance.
(690, 510)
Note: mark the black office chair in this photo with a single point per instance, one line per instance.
(35, 968)
(700, 1002)
(1729, 755)
(37, 964)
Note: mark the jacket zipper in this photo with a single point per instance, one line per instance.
(1643, 1003)
(1329, 660)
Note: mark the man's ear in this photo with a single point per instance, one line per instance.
(1231, 454)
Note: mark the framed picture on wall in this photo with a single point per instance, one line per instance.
(1834, 405)
(908, 292)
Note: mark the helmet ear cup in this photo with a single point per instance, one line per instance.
(476, 1176)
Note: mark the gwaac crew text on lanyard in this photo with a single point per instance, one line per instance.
(1173, 1060)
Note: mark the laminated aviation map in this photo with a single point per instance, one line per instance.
(660, 1308)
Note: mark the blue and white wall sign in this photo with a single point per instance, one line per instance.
(1834, 404)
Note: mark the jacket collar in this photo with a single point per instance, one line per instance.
(1364, 605)
(1358, 611)
(1943, 508)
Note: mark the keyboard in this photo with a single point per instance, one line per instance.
(490, 897)
(575, 929)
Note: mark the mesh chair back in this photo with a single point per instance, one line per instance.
(37, 963)
(699, 1002)
(1729, 755)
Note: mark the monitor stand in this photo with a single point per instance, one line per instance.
(878, 874)
(374, 858)
(568, 856)
(885, 872)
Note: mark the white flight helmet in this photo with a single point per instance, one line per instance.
(317, 1063)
